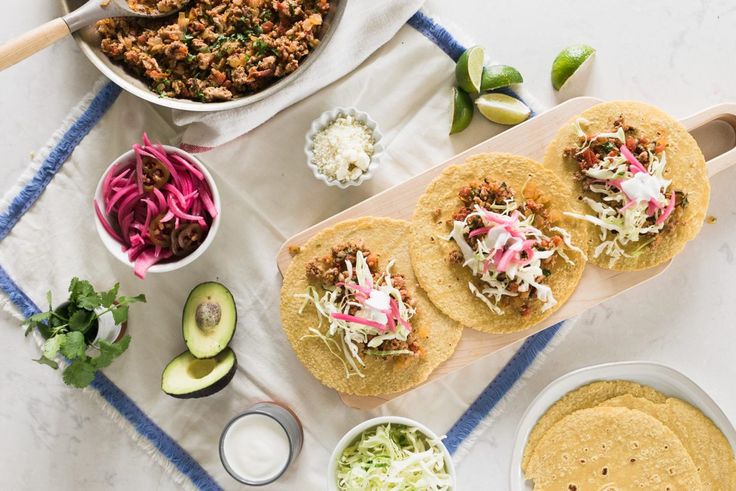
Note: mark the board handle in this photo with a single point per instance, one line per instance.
(715, 130)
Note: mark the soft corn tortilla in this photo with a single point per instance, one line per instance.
(611, 448)
(685, 168)
(704, 442)
(446, 284)
(438, 335)
(584, 397)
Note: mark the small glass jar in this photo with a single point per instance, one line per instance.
(285, 420)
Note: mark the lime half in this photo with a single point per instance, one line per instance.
(469, 69)
(462, 110)
(568, 62)
(502, 109)
(498, 76)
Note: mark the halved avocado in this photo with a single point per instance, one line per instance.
(187, 377)
(209, 319)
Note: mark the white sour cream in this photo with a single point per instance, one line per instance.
(378, 302)
(256, 448)
(643, 187)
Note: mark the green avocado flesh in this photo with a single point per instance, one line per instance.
(209, 319)
(188, 377)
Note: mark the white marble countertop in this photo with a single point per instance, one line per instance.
(676, 57)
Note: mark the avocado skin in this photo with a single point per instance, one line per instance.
(219, 384)
(184, 320)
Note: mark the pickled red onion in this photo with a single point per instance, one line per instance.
(667, 211)
(358, 320)
(636, 166)
(130, 209)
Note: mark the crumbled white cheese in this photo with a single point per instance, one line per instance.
(343, 150)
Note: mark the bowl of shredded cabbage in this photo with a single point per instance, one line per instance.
(391, 453)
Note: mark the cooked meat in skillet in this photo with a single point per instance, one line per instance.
(216, 50)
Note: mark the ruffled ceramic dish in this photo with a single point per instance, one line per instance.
(322, 122)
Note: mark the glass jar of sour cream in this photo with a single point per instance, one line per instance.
(258, 446)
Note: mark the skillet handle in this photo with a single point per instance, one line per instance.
(31, 42)
(717, 121)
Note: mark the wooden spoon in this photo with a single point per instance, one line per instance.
(47, 34)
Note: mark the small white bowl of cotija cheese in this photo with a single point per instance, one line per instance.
(343, 147)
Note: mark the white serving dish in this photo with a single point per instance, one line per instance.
(662, 378)
(114, 247)
(351, 435)
(322, 122)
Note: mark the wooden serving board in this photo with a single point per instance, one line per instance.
(714, 128)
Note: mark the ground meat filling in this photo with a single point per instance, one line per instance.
(489, 194)
(640, 146)
(152, 7)
(215, 50)
(328, 270)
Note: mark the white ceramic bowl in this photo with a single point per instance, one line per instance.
(322, 122)
(114, 246)
(351, 435)
(663, 378)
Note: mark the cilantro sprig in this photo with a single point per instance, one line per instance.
(70, 329)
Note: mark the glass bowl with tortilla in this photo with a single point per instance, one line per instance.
(625, 425)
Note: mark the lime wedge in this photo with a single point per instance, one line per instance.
(498, 76)
(462, 110)
(568, 62)
(502, 108)
(469, 69)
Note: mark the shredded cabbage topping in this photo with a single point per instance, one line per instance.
(508, 254)
(379, 315)
(393, 457)
(633, 201)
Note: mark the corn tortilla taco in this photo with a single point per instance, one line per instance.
(490, 245)
(355, 315)
(642, 178)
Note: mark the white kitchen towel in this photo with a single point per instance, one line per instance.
(47, 235)
(366, 25)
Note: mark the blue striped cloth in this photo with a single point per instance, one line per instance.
(167, 446)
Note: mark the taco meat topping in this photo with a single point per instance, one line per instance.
(367, 310)
(510, 246)
(155, 6)
(623, 175)
(214, 50)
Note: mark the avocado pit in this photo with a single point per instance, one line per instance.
(208, 315)
(209, 319)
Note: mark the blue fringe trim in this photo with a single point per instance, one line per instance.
(56, 158)
(437, 34)
(499, 387)
(123, 404)
(451, 46)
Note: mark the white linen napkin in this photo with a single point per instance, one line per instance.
(268, 194)
(365, 26)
